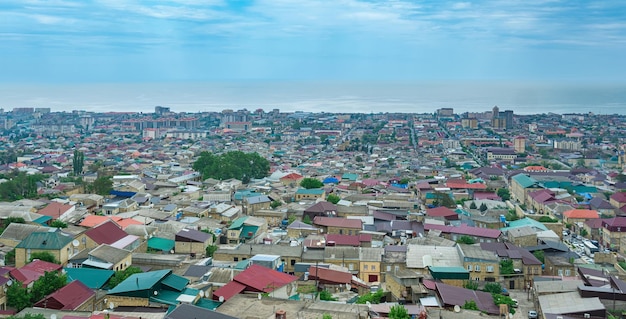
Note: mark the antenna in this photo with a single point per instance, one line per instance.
(75, 243)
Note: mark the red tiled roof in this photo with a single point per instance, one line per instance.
(292, 176)
(329, 276)
(70, 297)
(338, 222)
(54, 209)
(581, 214)
(106, 233)
(33, 270)
(227, 291)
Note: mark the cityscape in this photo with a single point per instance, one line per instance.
(265, 213)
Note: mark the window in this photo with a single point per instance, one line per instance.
(489, 268)
(341, 232)
(560, 272)
(350, 232)
(477, 268)
(567, 272)
(364, 267)
(292, 262)
(235, 258)
(373, 267)
(469, 267)
(388, 268)
(351, 266)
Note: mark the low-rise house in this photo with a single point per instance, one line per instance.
(56, 243)
(575, 216)
(290, 254)
(522, 236)
(224, 212)
(452, 296)
(559, 266)
(322, 208)
(421, 257)
(272, 217)
(254, 203)
(298, 229)
(347, 257)
(109, 233)
(309, 194)
(186, 311)
(108, 257)
(526, 266)
(259, 279)
(57, 210)
(14, 233)
(483, 265)
(442, 213)
(119, 206)
(330, 225)
(192, 242)
(602, 206)
(479, 235)
(405, 285)
(91, 277)
(149, 288)
(618, 200)
(74, 296)
(246, 229)
(330, 279)
(370, 264)
(29, 273)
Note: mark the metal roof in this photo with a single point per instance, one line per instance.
(45, 241)
(92, 278)
(140, 281)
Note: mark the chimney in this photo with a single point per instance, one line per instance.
(281, 314)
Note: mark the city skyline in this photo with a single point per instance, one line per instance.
(57, 42)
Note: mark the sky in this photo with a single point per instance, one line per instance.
(120, 41)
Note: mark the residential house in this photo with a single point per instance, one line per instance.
(593, 228)
(291, 179)
(526, 266)
(224, 212)
(186, 311)
(452, 296)
(108, 257)
(246, 229)
(110, 233)
(522, 236)
(521, 185)
(393, 260)
(322, 208)
(618, 200)
(362, 240)
(252, 204)
(259, 279)
(421, 257)
(347, 257)
(442, 213)
(559, 266)
(74, 296)
(330, 279)
(298, 229)
(371, 263)
(119, 206)
(405, 285)
(576, 217)
(192, 242)
(150, 288)
(613, 230)
(309, 194)
(57, 210)
(56, 243)
(290, 254)
(272, 217)
(14, 233)
(91, 277)
(602, 206)
(29, 273)
(483, 265)
(330, 225)
(478, 235)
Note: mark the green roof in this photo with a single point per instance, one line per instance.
(349, 176)
(162, 244)
(175, 282)
(311, 191)
(208, 304)
(237, 223)
(449, 273)
(42, 220)
(248, 229)
(242, 264)
(140, 281)
(91, 277)
(524, 180)
(556, 184)
(524, 222)
(581, 189)
(45, 240)
(167, 297)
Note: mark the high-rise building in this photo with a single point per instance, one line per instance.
(519, 143)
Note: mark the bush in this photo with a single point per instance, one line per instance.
(470, 305)
(326, 295)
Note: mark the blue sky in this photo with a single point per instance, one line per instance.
(63, 41)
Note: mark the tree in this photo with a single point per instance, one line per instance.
(583, 232)
(547, 219)
(398, 312)
(492, 288)
(503, 193)
(483, 207)
(18, 297)
(50, 282)
(374, 298)
(307, 219)
(499, 299)
(9, 258)
(506, 267)
(310, 183)
(466, 240)
(102, 185)
(332, 198)
(540, 255)
(58, 224)
(470, 284)
(473, 205)
(358, 158)
(234, 164)
(275, 204)
(28, 316)
(78, 162)
(405, 181)
(121, 275)
(327, 316)
(210, 250)
(45, 256)
(292, 218)
(470, 305)
(327, 296)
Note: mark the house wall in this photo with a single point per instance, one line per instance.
(612, 239)
(252, 208)
(119, 301)
(483, 271)
(124, 263)
(367, 268)
(88, 305)
(183, 247)
(523, 241)
(288, 261)
(21, 255)
(342, 230)
(309, 196)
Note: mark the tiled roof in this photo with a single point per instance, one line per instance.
(581, 214)
(70, 297)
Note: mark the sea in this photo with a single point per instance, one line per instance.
(321, 96)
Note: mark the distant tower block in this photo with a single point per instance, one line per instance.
(519, 143)
(495, 113)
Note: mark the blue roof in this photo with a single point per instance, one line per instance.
(140, 281)
(91, 277)
(524, 222)
(329, 180)
(42, 220)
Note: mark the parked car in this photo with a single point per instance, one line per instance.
(515, 303)
(532, 314)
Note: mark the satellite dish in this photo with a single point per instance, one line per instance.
(457, 308)
(9, 283)
(75, 243)
(53, 316)
(201, 293)
(172, 251)
(222, 298)
(111, 305)
(156, 292)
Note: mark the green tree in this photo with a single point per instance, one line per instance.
(492, 288)
(121, 275)
(275, 204)
(547, 219)
(506, 267)
(398, 312)
(234, 164)
(9, 258)
(45, 256)
(327, 296)
(405, 181)
(58, 224)
(540, 255)
(78, 162)
(358, 158)
(466, 240)
(470, 284)
(310, 183)
(374, 298)
(292, 218)
(470, 305)
(50, 282)
(307, 220)
(499, 299)
(332, 198)
(327, 316)
(503, 193)
(18, 297)
(210, 250)
(28, 316)
(473, 205)
(102, 185)
(583, 232)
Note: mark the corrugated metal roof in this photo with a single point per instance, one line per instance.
(162, 244)
(92, 278)
(175, 282)
(227, 291)
(45, 241)
(106, 233)
(141, 281)
(69, 297)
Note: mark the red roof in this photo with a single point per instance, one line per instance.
(440, 212)
(348, 240)
(54, 209)
(262, 279)
(94, 220)
(581, 214)
(619, 197)
(292, 176)
(329, 276)
(106, 233)
(70, 297)
(462, 184)
(33, 270)
(465, 230)
(227, 291)
(338, 222)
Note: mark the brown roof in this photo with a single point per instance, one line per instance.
(329, 276)
(338, 222)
